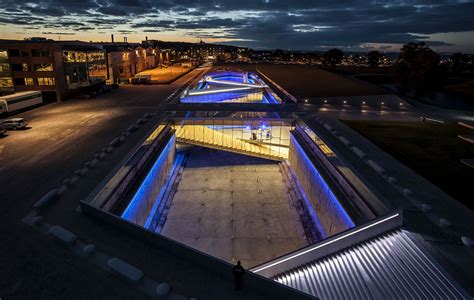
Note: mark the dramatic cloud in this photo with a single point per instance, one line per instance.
(295, 24)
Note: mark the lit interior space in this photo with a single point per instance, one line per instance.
(234, 189)
(230, 87)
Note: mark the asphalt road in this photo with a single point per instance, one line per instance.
(61, 137)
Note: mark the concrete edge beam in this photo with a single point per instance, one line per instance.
(344, 140)
(63, 235)
(374, 165)
(163, 289)
(88, 250)
(359, 152)
(51, 195)
(132, 128)
(327, 126)
(115, 142)
(125, 269)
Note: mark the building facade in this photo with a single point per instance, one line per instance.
(125, 60)
(58, 69)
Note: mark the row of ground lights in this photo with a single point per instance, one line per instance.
(345, 102)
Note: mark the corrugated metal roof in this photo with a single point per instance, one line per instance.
(389, 266)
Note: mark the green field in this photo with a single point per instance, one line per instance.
(433, 151)
(304, 81)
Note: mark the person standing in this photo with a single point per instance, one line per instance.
(238, 271)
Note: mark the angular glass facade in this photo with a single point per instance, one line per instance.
(230, 87)
(263, 137)
(84, 68)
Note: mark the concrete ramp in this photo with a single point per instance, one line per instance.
(203, 135)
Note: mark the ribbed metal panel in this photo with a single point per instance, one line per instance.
(390, 266)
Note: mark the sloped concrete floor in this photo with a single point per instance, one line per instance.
(234, 207)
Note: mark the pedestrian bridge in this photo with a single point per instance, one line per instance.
(268, 139)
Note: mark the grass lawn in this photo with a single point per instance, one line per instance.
(433, 151)
(304, 81)
(465, 89)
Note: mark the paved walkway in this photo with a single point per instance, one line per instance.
(234, 207)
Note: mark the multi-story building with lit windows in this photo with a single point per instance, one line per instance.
(57, 68)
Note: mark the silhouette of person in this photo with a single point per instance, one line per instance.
(238, 271)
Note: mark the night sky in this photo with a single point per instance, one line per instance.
(291, 24)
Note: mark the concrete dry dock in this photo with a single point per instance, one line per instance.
(234, 207)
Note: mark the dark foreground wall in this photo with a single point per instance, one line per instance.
(332, 216)
(267, 288)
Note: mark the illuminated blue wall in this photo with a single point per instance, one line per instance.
(142, 202)
(229, 96)
(215, 98)
(331, 216)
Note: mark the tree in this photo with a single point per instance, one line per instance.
(418, 68)
(459, 62)
(333, 57)
(374, 58)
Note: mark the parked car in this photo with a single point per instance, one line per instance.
(13, 123)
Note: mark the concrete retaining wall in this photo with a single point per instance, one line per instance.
(329, 211)
(147, 192)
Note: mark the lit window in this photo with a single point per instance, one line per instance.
(3, 56)
(45, 81)
(6, 83)
(29, 81)
(4, 68)
(24, 67)
(43, 67)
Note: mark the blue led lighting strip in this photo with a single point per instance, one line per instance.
(154, 217)
(132, 208)
(321, 182)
